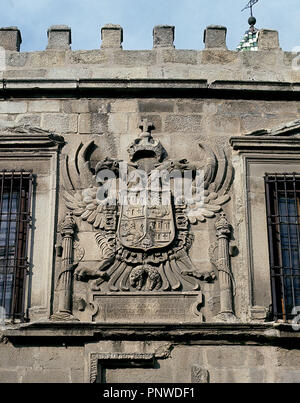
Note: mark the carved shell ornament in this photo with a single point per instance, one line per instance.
(145, 246)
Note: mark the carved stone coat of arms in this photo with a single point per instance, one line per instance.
(140, 218)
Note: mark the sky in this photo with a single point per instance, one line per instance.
(138, 17)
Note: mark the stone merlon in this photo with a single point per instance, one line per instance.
(215, 37)
(10, 38)
(59, 37)
(163, 36)
(112, 37)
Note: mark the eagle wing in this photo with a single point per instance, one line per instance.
(211, 186)
(84, 204)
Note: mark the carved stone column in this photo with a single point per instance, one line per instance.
(225, 275)
(66, 275)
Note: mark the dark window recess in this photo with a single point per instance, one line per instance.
(15, 200)
(283, 216)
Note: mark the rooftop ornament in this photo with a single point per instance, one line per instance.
(250, 39)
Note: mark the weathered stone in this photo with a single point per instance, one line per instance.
(44, 106)
(288, 358)
(45, 376)
(238, 376)
(287, 376)
(219, 124)
(134, 58)
(117, 123)
(7, 118)
(27, 74)
(89, 57)
(124, 105)
(199, 375)
(28, 119)
(156, 106)
(229, 358)
(99, 106)
(190, 106)
(187, 57)
(112, 37)
(77, 376)
(10, 357)
(59, 37)
(76, 106)
(61, 357)
(9, 376)
(59, 123)
(93, 123)
(182, 123)
(163, 36)
(259, 313)
(51, 58)
(268, 40)
(219, 57)
(13, 107)
(10, 38)
(215, 37)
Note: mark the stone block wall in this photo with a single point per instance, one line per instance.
(192, 97)
(222, 364)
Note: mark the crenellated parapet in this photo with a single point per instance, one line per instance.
(59, 37)
(214, 63)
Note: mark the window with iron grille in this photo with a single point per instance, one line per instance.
(15, 198)
(283, 217)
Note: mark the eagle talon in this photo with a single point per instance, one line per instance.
(202, 276)
(84, 273)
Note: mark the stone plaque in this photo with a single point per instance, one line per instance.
(147, 307)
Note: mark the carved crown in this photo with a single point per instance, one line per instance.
(146, 143)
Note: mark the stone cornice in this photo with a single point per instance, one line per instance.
(27, 137)
(287, 129)
(78, 86)
(264, 144)
(202, 333)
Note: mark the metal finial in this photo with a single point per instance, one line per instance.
(250, 39)
(250, 4)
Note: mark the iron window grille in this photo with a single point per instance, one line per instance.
(15, 202)
(283, 219)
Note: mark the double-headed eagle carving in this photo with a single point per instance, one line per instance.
(144, 247)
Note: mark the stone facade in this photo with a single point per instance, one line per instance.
(192, 304)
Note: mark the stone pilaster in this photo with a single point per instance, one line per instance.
(66, 275)
(223, 229)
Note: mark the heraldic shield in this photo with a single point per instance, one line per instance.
(146, 220)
